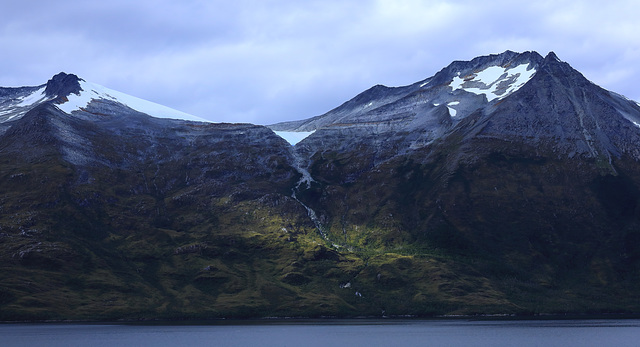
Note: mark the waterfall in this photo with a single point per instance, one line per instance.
(306, 179)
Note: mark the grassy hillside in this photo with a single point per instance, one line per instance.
(202, 224)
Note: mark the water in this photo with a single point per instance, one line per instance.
(333, 333)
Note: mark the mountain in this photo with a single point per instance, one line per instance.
(71, 93)
(514, 162)
(482, 88)
(507, 184)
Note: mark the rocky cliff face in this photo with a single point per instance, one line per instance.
(61, 85)
(504, 184)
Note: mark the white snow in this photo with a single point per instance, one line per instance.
(91, 91)
(453, 111)
(524, 77)
(457, 82)
(32, 98)
(424, 84)
(491, 77)
(294, 137)
(490, 74)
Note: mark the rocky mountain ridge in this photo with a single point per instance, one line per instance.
(428, 109)
(504, 184)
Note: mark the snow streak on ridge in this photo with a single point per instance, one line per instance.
(33, 98)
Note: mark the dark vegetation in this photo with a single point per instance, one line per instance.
(191, 232)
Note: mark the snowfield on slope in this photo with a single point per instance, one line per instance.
(491, 81)
(33, 98)
(91, 91)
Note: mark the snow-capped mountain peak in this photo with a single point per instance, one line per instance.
(432, 104)
(72, 94)
(91, 91)
(508, 95)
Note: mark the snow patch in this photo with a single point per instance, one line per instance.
(490, 75)
(33, 98)
(294, 137)
(491, 80)
(457, 82)
(453, 111)
(92, 91)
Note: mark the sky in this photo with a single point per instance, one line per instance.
(266, 61)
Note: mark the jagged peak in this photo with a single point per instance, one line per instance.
(551, 56)
(556, 67)
(504, 58)
(63, 84)
(551, 59)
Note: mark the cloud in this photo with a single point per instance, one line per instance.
(274, 60)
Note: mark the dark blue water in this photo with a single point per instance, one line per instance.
(333, 333)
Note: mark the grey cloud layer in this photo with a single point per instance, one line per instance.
(268, 61)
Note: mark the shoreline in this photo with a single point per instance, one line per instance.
(336, 320)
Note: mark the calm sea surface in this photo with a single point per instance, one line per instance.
(333, 333)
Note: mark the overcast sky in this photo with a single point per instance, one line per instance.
(265, 61)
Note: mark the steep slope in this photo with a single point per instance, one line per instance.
(538, 189)
(504, 184)
(384, 122)
(503, 92)
(18, 101)
(108, 213)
